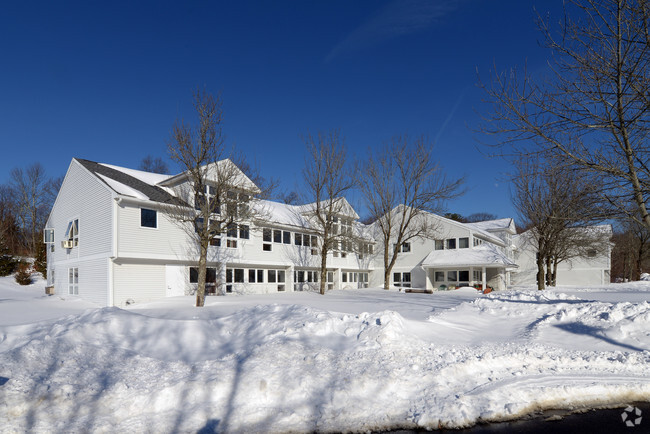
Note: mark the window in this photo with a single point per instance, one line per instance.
(344, 277)
(277, 236)
(231, 230)
(477, 275)
(298, 239)
(592, 253)
(48, 236)
(406, 247)
(231, 243)
(72, 234)
(440, 245)
(239, 275)
(463, 275)
(266, 235)
(452, 276)
(260, 276)
(280, 276)
(252, 276)
(73, 281)
(215, 241)
(477, 242)
(148, 218)
(266, 247)
(330, 276)
(286, 237)
(402, 279)
(210, 275)
(451, 243)
(463, 243)
(244, 232)
(270, 276)
(440, 276)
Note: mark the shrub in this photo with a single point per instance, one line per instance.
(40, 262)
(24, 274)
(7, 265)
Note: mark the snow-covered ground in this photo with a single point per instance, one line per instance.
(350, 360)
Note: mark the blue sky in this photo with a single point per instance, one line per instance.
(105, 81)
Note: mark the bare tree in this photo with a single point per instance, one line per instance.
(217, 197)
(154, 165)
(9, 229)
(30, 189)
(326, 181)
(290, 198)
(594, 109)
(631, 252)
(480, 217)
(555, 205)
(401, 184)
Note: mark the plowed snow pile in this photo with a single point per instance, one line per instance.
(296, 362)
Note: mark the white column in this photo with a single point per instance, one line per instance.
(484, 276)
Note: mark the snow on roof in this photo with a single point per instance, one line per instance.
(485, 255)
(124, 181)
(491, 225)
(281, 213)
(123, 189)
(148, 177)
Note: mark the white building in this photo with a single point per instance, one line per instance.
(591, 270)
(110, 242)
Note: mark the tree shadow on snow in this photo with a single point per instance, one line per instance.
(595, 332)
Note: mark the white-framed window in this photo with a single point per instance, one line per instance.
(477, 242)
(231, 235)
(244, 232)
(73, 281)
(402, 280)
(404, 248)
(451, 243)
(48, 236)
(452, 276)
(148, 218)
(71, 238)
(267, 237)
(440, 244)
(208, 194)
(477, 275)
(463, 243)
(439, 276)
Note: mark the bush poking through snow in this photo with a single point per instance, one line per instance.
(7, 265)
(24, 274)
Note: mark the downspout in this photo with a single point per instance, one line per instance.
(111, 259)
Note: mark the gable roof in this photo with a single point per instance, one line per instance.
(234, 173)
(494, 225)
(123, 182)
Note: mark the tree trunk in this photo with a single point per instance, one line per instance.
(323, 270)
(203, 256)
(540, 273)
(554, 274)
(549, 271)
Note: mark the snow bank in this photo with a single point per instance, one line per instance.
(295, 367)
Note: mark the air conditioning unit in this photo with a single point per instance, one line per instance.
(67, 244)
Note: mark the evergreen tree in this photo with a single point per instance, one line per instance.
(24, 274)
(40, 262)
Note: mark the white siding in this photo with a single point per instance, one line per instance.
(82, 196)
(167, 241)
(138, 282)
